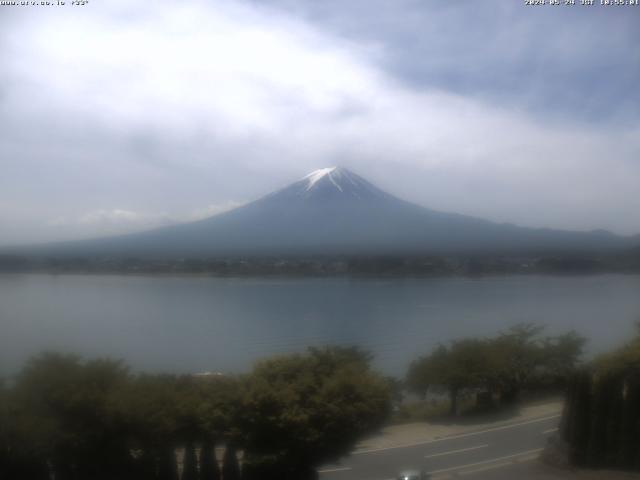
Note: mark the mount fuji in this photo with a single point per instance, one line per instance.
(334, 211)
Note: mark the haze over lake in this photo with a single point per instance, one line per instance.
(193, 324)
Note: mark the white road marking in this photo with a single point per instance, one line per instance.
(551, 430)
(484, 462)
(494, 466)
(455, 451)
(454, 437)
(527, 458)
(331, 470)
(485, 468)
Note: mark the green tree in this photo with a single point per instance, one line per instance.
(464, 364)
(218, 407)
(422, 374)
(300, 411)
(189, 463)
(601, 423)
(525, 359)
(165, 412)
(154, 413)
(623, 361)
(230, 466)
(513, 360)
(560, 357)
(63, 416)
(5, 448)
(517, 354)
(209, 468)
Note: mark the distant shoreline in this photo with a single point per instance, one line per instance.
(348, 266)
(302, 276)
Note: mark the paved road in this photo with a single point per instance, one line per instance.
(492, 453)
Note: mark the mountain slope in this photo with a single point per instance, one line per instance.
(334, 211)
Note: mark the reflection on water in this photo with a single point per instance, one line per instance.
(186, 324)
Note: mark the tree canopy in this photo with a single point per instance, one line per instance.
(515, 359)
(93, 419)
(302, 410)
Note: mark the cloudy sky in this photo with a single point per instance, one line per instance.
(119, 116)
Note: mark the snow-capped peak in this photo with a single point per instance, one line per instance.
(317, 175)
(331, 183)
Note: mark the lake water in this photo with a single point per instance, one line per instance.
(193, 324)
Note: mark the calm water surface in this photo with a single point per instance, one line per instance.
(191, 324)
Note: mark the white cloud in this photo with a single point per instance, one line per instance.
(115, 216)
(106, 222)
(213, 209)
(119, 220)
(229, 69)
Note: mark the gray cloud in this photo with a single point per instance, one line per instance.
(162, 112)
(576, 61)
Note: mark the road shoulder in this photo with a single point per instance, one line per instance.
(399, 436)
